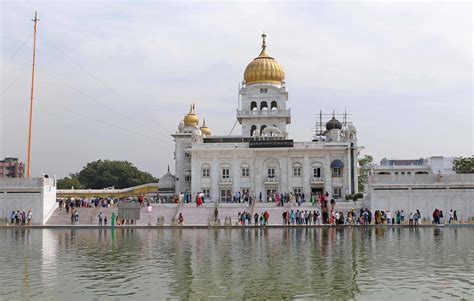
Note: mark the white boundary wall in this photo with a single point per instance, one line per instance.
(424, 192)
(37, 194)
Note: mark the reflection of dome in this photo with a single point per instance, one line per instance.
(191, 119)
(333, 124)
(167, 181)
(264, 69)
(205, 130)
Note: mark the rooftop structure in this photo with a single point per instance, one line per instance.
(432, 165)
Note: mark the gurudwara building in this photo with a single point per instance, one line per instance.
(264, 160)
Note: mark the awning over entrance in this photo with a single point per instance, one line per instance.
(337, 164)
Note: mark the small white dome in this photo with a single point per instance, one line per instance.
(351, 128)
(167, 181)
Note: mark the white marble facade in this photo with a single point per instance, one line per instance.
(217, 165)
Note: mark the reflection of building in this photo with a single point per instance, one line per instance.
(432, 165)
(12, 168)
(264, 159)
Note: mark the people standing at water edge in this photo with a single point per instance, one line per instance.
(100, 218)
(180, 219)
(416, 217)
(29, 216)
(436, 216)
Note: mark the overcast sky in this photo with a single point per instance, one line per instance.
(114, 79)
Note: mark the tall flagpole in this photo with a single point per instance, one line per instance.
(32, 94)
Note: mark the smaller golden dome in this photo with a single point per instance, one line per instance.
(204, 129)
(264, 69)
(191, 119)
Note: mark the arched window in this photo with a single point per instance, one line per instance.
(262, 128)
(421, 173)
(408, 173)
(205, 170)
(337, 167)
(274, 105)
(263, 105)
(253, 106)
(317, 170)
(245, 170)
(403, 172)
(396, 172)
(225, 171)
(252, 130)
(297, 169)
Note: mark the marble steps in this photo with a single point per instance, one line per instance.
(165, 210)
(196, 216)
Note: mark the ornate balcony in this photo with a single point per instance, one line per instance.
(263, 113)
(271, 181)
(316, 180)
(225, 181)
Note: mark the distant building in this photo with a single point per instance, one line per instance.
(432, 165)
(425, 192)
(392, 162)
(424, 184)
(12, 168)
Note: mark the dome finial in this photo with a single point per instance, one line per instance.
(264, 68)
(191, 118)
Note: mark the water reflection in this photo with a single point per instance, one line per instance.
(289, 263)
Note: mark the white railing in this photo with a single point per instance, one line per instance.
(225, 180)
(263, 113)
(422, 179)
(25, 182)
(316, 180)
(271, 180)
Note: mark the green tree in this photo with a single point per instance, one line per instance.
(107, 173)
(463, 165)
(69, 182)
(366, 168)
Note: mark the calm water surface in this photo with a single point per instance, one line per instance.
(237, 264)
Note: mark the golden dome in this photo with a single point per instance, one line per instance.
(191, 119)
(204, 129)
(264, 69)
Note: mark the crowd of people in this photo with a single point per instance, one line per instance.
(245, 218)
(70, 204)
(324, 212)
(21, 218)
(438, 217)
(247, 197)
